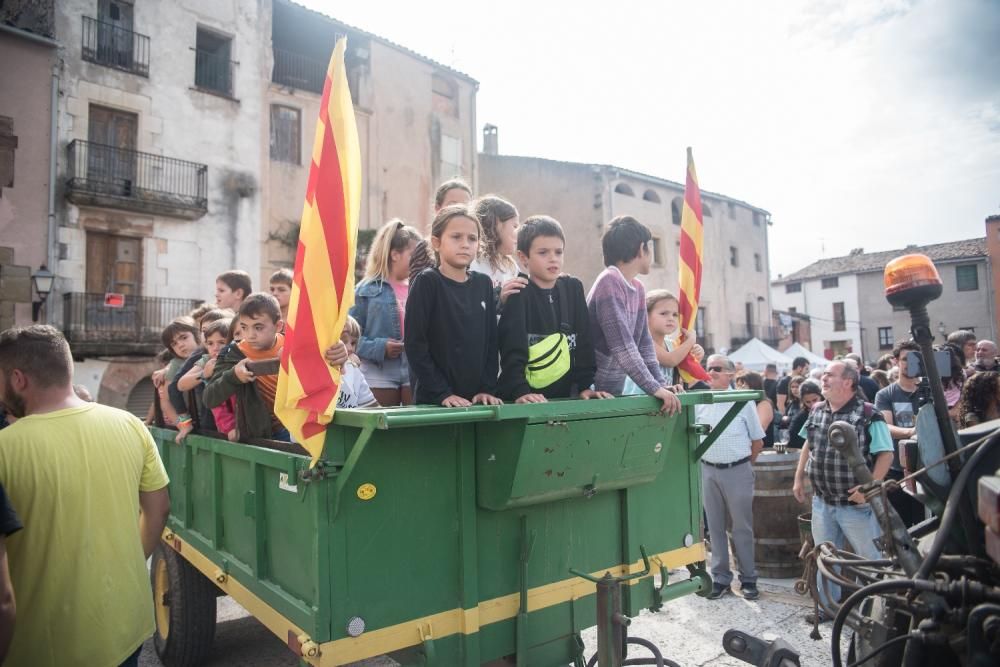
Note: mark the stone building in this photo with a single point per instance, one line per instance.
(416, 125)
(182, 143)
(735, 301)
(844, 298)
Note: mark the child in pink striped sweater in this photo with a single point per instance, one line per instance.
(617, 305)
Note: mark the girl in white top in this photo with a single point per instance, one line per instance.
(663, 316)
(500, 222)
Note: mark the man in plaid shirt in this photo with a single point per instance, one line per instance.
(839, 509)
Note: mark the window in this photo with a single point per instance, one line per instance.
(451, 157)
(758, 265)
(657, 251)
(650, 195)
(830, 283)
(734, 256)
(756, 219)
(792, 288)
(732, 210)
(885, 340)
(8, 144)
(285, 134)
(793, 310)
(212, 62)
(706, 212)
(699, 324)
(624, 189)
(967, 277)
(444, 94)
(839, 321)
(676, 206)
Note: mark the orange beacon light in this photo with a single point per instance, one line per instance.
(911, 280)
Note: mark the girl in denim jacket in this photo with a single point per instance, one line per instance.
(379, 307)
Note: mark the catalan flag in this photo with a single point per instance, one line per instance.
(323, 283)
(690, 266)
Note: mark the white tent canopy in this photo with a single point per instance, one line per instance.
(799, 350)
(755, 355)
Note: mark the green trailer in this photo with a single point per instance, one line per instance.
(437, 536)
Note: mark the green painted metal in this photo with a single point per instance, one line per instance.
(471, 514)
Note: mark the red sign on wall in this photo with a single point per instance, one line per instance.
(114, 300)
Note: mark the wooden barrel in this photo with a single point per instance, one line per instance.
(776, 515)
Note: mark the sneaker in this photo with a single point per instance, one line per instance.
(750, 591)
(718, 590)
(811, 617)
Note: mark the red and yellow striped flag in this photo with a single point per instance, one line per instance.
(690, 266)
(323, 284)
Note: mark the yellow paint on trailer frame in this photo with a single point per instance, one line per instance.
(440, 625)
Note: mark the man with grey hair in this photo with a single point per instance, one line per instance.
(868, 386)
(727, 484)
(839, 510)
(986, 357)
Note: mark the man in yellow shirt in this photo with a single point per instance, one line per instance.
(89, 485)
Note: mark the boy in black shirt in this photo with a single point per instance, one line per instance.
(544, 331)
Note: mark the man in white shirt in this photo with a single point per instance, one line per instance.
(727, 484)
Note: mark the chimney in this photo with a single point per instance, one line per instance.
(993, 256)
(857, 251)
(491, 142)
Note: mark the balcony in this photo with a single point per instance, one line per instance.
(130, 327)
(101, 175)
(113, 46)
(741, 332)
(296, 71)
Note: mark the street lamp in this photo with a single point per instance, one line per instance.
(42, 281)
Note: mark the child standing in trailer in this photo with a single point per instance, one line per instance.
(259, 322)
(217, 334)
(451, 324)
(182, 338)
(500, 223)
(354, 389)
(380, 307)
(623, 347)
(231, 288)
(544, 331)
(449, 193)
(280, 286)
(663, 313)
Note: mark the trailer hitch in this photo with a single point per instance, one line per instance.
(612, 639)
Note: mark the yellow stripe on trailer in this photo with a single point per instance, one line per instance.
(413, 632)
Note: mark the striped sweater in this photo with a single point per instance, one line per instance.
(622, 344)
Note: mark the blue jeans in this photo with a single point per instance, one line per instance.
(837, 523)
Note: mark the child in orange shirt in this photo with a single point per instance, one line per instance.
(258, 322)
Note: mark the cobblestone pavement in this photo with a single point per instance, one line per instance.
(688, 631)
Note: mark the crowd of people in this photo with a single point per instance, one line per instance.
(478, 311)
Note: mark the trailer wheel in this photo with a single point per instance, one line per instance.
(184, 605)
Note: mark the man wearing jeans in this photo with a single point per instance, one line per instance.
(727, 484)
(839, 510)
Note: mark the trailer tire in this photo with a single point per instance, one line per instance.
(184, 606)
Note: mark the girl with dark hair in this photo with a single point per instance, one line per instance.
(810, 394)
(765, 411)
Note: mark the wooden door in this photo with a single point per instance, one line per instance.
(111, 154)
(114, 264)
(114, 32)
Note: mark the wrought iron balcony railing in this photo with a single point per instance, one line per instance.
(103, 175)
(213, 71)
(113, 46)
(91, 322)
(297, 71)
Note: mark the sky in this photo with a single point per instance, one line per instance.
(856, 123)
